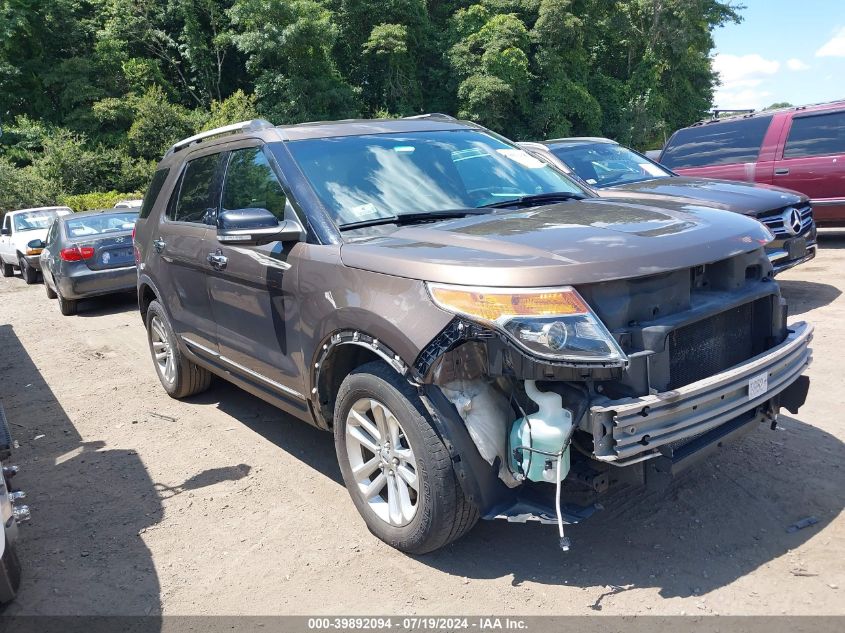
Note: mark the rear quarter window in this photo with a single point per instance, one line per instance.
(816, 135)
(716, 143)
(152, 192)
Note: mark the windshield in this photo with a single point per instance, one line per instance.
(33, 220)
(608, 164)
(363, 178)
(100, 223)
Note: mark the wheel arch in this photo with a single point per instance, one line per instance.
(147, 293)
(339, 355)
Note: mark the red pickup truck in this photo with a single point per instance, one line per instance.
(800, 148)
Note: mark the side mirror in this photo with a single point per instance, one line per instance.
(5, 231)
(35, 245)
(254, 227)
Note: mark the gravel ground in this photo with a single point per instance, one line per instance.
(223, 505)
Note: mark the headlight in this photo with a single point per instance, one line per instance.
(555, 323)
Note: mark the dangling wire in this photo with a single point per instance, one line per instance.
(564, 540)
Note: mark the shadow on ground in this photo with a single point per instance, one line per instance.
(308, 443)
(108, 304)
(802, 296)
(89, 502)
(721, 520)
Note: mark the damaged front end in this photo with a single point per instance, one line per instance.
(548, 398)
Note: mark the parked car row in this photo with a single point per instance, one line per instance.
(802, 148)
(620, 173)
(484, 334)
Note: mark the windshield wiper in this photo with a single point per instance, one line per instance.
(536, 199)
(413, 218)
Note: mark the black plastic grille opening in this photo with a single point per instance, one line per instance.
(709, 346)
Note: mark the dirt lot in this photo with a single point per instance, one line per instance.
(221, 504)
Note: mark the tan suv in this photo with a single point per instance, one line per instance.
(483, 336)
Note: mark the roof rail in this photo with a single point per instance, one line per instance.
(235, 128)
(431, 115)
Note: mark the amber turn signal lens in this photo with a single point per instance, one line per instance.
(493, 304)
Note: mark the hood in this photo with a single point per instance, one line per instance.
(741, 197)
(573, 242)
(22, 238)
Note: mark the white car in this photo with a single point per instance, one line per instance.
(18, 230)
(128, 204)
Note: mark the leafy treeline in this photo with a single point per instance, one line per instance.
(92, 92)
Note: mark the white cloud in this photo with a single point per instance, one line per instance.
(742, 99)
(796, 64)
(740, 69)
(742, 78)
(835, 46)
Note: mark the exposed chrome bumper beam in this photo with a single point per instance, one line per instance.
(632, 429)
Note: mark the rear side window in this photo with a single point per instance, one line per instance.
(252, 184)
(100, 223)
(818, 135)
(716, 143)
(152, 191)
(197, 195)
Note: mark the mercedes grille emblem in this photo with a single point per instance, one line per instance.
(792, 221)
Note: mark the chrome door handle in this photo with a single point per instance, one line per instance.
(217, 261)
(782, 171)
(159, 245)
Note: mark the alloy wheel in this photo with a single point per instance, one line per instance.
(162, 350)
(382, 461)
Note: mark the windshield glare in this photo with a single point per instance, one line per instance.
(101, 223)
(608, 164)
(33, 220)
(360, 178)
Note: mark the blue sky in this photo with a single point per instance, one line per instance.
(783, 50)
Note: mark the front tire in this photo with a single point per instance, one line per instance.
(7, 269)
(394, 464)
(179, 376)
(29, 274)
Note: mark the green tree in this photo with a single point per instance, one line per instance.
(22, 187)
(183, 46)
(157, 124)
(92, 92)
(491, 56)
(385, 49)
(288, 46)
(239, 107)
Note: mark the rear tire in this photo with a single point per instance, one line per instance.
(67, 307)
(51, 294)
(439, 513)
(29, 274)
(179, 376)
(7, 269)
